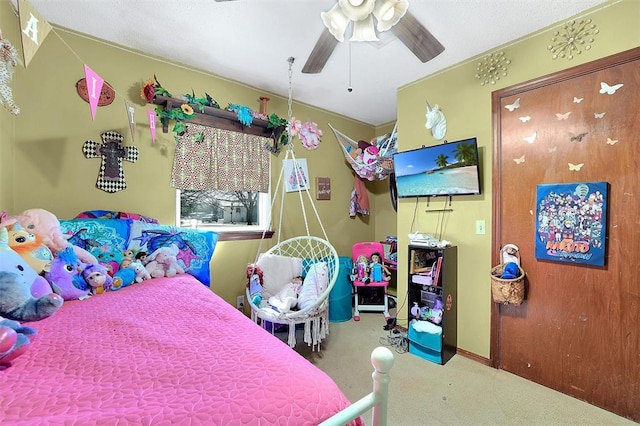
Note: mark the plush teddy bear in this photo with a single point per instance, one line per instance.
(163, 262)
(46, 225)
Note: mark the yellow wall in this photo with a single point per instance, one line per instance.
(51, 172)
(467, 106)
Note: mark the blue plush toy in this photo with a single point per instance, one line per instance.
(510, 271)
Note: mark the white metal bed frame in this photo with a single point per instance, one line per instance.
(382, 361)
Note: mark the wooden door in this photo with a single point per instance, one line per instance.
(578, 330)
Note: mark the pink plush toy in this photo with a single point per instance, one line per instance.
(163, 262)
(46, 226)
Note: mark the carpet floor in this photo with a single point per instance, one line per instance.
(462, 392)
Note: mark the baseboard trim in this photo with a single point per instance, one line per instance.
(474, 357)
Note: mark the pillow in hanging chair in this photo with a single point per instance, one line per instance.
(314, 284)
(277, 271)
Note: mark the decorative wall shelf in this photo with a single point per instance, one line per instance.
(220, 119)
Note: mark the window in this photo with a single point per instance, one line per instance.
(245, 213)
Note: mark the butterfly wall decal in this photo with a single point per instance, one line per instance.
(579, 137)
(575, 167)
(532, 138)
(519, 160)
(563, 116)
(609, 90)
(611, 142)
(577, 100)
(525, 118)
(598, 114)
(515, 105)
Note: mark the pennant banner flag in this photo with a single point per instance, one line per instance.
(34, 30)
(151, 115)
(94, 88)
(131, 111)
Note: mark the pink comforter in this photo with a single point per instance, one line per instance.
(165, 351)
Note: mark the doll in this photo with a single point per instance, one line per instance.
(360, 271)
(378, 271)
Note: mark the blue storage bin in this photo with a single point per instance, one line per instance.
(340, 306)
(425, 345)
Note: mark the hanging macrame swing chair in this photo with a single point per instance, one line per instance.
(310, 257)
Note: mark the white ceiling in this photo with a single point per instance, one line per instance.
(251, 40)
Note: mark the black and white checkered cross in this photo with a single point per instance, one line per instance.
(111, 176)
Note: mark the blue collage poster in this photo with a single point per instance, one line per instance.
(571, 222)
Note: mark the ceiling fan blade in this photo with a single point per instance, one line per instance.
(417, 38)
(320, 54)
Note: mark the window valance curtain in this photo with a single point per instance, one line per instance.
(214, 159)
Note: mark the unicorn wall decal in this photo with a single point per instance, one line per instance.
(436, 122)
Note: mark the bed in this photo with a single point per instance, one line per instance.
(164, 351)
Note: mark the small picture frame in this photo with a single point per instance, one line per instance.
(323, 188)
(296, 175)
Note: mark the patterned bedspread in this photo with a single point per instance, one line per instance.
(165, 351)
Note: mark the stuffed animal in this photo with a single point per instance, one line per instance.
(45, 225)
(12, 262)
(111, 260)
(97, 278)
(123, 278)
(163, 262)
(287, 298)
(14, 341)
(30, 248)
(65, 276)
(140, 270)
(17, 303)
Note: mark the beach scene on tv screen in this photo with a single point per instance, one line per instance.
(447, 169)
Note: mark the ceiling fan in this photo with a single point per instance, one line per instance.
(389, 15)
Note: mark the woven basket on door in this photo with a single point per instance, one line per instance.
(507, 291)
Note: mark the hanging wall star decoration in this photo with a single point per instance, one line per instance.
(574, 38)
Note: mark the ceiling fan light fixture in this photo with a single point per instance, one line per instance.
(364, 30)
(357, 10)
(389, 12)
(336, 22)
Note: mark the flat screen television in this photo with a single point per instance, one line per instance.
(439, 170)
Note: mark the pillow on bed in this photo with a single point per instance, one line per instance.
(196, 246)
(110, 214)
(277, 271)
(314, 284)
(97, 235)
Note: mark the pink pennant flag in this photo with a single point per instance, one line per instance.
(94, 88)
(151, 115)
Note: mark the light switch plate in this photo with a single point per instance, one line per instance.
(480, 227)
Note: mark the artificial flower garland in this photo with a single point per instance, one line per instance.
(308, 132)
